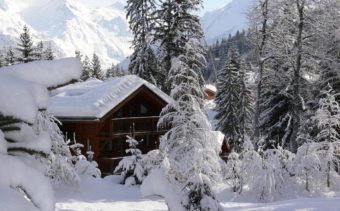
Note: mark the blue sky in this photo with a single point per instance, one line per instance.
(214, 4)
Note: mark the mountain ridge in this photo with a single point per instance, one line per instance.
(69, 25)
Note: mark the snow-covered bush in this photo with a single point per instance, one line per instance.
(198, 195)
(267, 172)
(82, 165)
(23, 92)
(232, 172)
(151, 160)
(308, 167)
(130, 167)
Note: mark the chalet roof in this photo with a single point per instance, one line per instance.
(95, 98)
(210, 87)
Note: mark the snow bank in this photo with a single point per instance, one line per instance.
(94, 98)
(12, 200)
(157, 184)
(36, 185)
(48, 73)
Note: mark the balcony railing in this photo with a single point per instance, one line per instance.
(136, 125)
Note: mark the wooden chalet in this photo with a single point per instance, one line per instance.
(210, 92)
(103, 113)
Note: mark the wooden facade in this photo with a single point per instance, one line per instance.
(137, 115)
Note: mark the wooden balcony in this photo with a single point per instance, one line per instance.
(135, 125)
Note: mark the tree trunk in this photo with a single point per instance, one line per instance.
(260, 61)
(296, 80)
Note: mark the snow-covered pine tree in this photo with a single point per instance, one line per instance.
(227, 100)
(10, 58)
(190, 159)
(111, 72)
(39, 51)
(172, 31)
(130, 167)
(83, 166)
(87, 69)
(96, 67)
(59, 167)
(20, 144)
(48, 53)
(26, 47)
(143, 60)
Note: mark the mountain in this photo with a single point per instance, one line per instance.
(227, 20)
(85, 25)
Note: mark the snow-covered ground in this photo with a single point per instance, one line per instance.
(107, 195)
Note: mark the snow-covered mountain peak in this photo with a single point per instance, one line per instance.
(90, 26)
(227, 20)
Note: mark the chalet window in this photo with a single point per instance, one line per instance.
(119, 147)
(143, 109)
(107, 147)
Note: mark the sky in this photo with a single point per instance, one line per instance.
(214, 4)
(208, 4)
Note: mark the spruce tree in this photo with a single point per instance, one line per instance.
(87, 69)
(143, 60)
(188, 145)
(228, 101)
(96, 67)
(178, 23)
(9, 59)
(39, 51)
(26, 47)
(48, 53)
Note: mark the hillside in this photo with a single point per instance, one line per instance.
(88, 26)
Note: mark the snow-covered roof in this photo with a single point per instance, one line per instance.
(95, 98)
(210, 87)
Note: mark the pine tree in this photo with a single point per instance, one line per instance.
(87, 69)
(130, 167)
(143, 60)
(96, 67)
(26, 47)
(39, 51)
(48, 53)
(228, 100)
(9, 59)
(188, 147)
(81, 164)
(173, 32)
